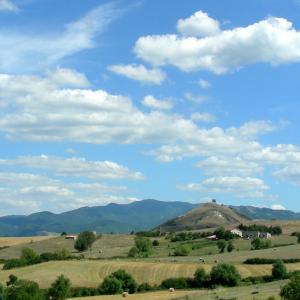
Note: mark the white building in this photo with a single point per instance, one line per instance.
(237, 232)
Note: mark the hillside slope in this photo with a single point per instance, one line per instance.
(208, 215)
(139, 215)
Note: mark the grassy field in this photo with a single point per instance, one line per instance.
(254, 292)
(91, 273)
(108, 245)
(13, 241)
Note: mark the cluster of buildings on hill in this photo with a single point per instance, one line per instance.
(251, 234)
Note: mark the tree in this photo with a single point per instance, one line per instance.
(85, 241)
(23, 290)
(279, 270)
(221, 245)
(28, 254)
(133, 252)
(118, 282)
(291, 291)
(225, 274)
(1, 292)
(155, 243)
(60, 288)
(12, 279)
(199, 277)
(143, 244)
(230, 246)
(128, 283)
(110, 286)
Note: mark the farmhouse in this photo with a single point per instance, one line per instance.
(237, 232)
(256, 234)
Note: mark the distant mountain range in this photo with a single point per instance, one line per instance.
(122, 218)
(266, 213)
(139, 215)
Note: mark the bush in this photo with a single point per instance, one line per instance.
(144, 287)
(291, 291)
(274, 230)
(200, 278)
(143, 244)
(269, 261)
(279, 270)
(85, 241)
(111, 286)
(258, 243)
(182, 250)
(155, 243)
(177, 283)
(225, 274)
(60, 288)
(148, 233)
(23, 290)
(118, 282)
(133, 252)
(230, 246)
(223, 234)
(221, 245)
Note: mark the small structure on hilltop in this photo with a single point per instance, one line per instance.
(256, 234)
(212, 237)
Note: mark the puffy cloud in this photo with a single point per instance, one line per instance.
(7, 5)
(273, 40)
(26, 192)
(215, 165)
(75, 167)
(199, 24)
(139, 73)
(154, 103)
(240, 187)
(46, 48)
(290, 173)
(203, 117)
(195, 98)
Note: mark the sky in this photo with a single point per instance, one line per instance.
(118, 101)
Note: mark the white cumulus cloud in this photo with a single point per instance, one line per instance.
(154, 103)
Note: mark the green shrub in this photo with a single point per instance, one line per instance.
(111, 286)
(291, 291)
(279, 270)
(128, 283)
(200, 277)
(144, 287)
(177, 283)
(225, 274)
(60, 288)
(182, 250)
(85, 241)
(155, 243)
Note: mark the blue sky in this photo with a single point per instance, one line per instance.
(116, 101)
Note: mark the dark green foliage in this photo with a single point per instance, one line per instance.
(118, 282)
(83, 292)
(177, 283)
(274, 230)
(85, 241)
(12, 279)
(200, 278)
(145, 287)
(111, 286)
(221, 245)
(31, 258)
(258, 243)
(279, 270)
(182, 250)
(60, 288)
(223, 234)
(1, 292)
(148, 233)
(23, 290)
(230, 246)
(155, 243)
(128, 284)
(225, 274)
(187, 236)
(269, 261)
(142, 247)
(291, 291)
